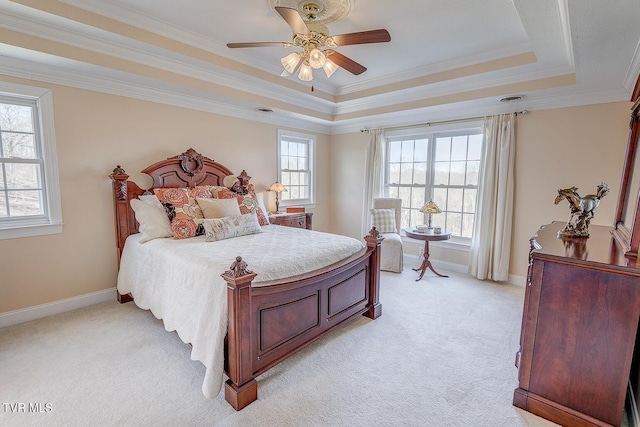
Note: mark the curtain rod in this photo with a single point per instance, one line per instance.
(468, 119)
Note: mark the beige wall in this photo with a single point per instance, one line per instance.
(558, 148)
(94, 133)
(579, 146)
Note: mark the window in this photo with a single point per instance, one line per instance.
(29, 192)
(296, 168)
(443, 167)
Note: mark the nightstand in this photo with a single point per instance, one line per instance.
(299, 220)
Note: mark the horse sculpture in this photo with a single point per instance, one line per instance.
(582, 210)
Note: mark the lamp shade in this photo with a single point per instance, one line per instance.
(430, 208)
(306, 73)
(317, 58)
(329, 67)
(291, 61)
(277, 187)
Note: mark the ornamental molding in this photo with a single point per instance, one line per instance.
(328, 10)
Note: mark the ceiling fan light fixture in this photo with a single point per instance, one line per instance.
(306, 72)
(317, 58)
(329, 67)
(291, 61)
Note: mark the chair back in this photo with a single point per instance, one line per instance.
(390, 203)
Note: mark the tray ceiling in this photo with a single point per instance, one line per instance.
(445, 59)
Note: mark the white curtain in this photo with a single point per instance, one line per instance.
(373, 183)
(491, 244)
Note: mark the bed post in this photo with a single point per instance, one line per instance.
(241, 388)
(374, 239)
(120, 197)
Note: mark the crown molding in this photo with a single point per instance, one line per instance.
(141, 53)
(454, 86)
(147, 90)
(552, 99)
(435, 68)
(565, 27)
(634, 70)
(128, 15)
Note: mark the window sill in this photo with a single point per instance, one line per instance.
(30, 231)
(310, 205)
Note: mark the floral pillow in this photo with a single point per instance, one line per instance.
(248, 202)
(187, 215)
(231, 226)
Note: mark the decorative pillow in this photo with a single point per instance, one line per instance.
(262, 211)
(187, 221)
(260, 198)
(384, 220)
(248, 202)
(152, 218)
(218, 208)
(231, 226)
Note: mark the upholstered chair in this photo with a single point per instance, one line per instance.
(386, 218)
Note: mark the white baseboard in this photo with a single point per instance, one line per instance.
(457, 268)
(43, 310)
(517, 280)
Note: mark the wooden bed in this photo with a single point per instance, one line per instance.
(266, 324)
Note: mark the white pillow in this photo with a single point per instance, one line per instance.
(153, 219)
(384, 220)
(219, 208)
(231, 226)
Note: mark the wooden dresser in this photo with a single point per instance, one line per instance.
(299, 220)
(579, 326)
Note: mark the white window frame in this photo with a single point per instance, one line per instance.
(431, 133)
(51, 221)
(304, 138)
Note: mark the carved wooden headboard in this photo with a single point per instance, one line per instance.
(188, 169)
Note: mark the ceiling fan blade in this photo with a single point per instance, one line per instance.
(373, 36)
(293, 18)
(347, 63)
(260, 44)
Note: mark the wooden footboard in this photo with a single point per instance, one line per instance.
(267, 324)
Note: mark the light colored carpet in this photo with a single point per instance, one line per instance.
(441, 354)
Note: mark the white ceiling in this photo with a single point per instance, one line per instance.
(446, 59)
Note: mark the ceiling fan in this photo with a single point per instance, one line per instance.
(317, 46)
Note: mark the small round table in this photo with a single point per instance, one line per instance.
(427, 236)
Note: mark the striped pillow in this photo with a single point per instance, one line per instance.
(384, 220)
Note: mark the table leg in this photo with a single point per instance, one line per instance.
(426, 263)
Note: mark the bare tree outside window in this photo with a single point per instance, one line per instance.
(295, 167)
(442, 167)
(30, 203)
(21, 189)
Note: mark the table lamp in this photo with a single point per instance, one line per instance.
(430, 208)
(277, 188)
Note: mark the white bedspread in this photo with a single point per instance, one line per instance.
(179, 280)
